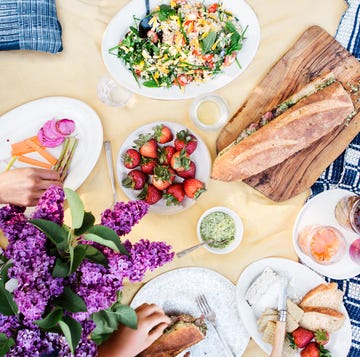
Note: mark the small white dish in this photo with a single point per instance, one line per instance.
(321, 210)
(209, 112)
(239, 229)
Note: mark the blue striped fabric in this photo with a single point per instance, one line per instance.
(344, 172)
(30, 25)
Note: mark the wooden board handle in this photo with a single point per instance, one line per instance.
(278, 339)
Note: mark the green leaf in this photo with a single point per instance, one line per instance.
(51, 319)
(94, 255)
(126, 315)
(208, 41)
(8, 305)
(72, 331)
(77, 255)
(151, 84)
(76, 208)
(58, 235)
(107, 237)
(88, 222)
(5, 344)
(70, 301)
(3, 272)
(106, 323)
(61, 268)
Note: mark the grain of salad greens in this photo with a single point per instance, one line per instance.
(188, 42)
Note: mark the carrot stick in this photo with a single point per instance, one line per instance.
(29, 160)
(21, 147)
(46, 155)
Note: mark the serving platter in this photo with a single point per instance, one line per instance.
(321, 210)
(315, 52)
(26, 120)
(176, 290)
(301, 280)
(200, 156)
(121, 22)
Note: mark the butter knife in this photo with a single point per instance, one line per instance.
(280, 329)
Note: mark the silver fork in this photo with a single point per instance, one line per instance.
(210, 316)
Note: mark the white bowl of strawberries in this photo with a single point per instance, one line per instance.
(164, 164)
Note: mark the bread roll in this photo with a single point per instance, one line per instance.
(300, 126)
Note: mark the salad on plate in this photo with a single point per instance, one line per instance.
(189, 41)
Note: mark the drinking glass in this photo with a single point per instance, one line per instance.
(111, 93)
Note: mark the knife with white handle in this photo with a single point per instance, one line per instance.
(280, 329)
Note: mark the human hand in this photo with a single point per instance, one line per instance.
(24, 186)
(126, 342)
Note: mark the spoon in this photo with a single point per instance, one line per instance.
(191, 249)
(144, 26)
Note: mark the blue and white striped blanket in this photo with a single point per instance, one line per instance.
(344, 172)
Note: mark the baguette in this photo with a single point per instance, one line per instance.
(305, 122)
(324, 295)
(184, 332)
(316, 318)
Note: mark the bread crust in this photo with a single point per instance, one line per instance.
(171, 343)
(296, 129)
(323, 295)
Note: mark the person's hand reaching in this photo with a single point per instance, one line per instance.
(126, 342)
(24, 186)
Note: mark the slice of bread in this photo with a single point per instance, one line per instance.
(316, 318)
(269, 332)
(295, 311)
(291, 323)
(324, 295)
(264, 319)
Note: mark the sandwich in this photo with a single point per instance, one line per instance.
(183, 332)
(295, 124)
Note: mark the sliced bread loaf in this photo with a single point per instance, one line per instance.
(316, 318)
(324, 295)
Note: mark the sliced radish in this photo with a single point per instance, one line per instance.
(49, 142)
(65, 126)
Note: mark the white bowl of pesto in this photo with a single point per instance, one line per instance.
(222, 228)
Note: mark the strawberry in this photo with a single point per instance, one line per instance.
(185, 140)
(163, 134)
(150, 194)
(163, 177)
(321, 336)
(174, 194)
(302, 336)
(135, 179)
(180, 161)
(190, 172)
(147, 165)
(165, 154)
(193, 188)
(313, 349)
(149, 149)
(147, 145)
(131, 158)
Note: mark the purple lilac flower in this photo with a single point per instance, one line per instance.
(28, 343)
(51, 205)
(8, 324)
(124, 216)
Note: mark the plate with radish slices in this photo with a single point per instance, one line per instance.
(59, 133)
(164, 164)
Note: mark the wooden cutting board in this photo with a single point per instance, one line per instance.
(314, 53)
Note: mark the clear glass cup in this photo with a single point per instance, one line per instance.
(347, 213)
(111, 93)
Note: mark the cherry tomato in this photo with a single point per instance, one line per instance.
(212, 8)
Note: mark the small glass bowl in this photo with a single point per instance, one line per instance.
(209, 112)
(239, 229)
(323, 244)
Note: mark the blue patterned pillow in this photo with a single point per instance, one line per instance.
(30, 25)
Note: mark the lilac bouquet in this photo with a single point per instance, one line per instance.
(60, 286)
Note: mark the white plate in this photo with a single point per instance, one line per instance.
(26, 120)
(301, 280)
(321, 210)
(121, 22)
(200, 156)
(176, 290)
(238, 233)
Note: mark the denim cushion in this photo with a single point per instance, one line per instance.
(30, 25)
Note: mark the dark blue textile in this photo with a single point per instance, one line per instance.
(344, 172)
(30, 25)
